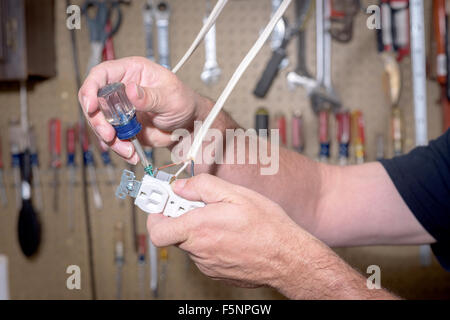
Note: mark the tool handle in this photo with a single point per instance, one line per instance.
(297, 133)
(270, 73)
(70, 145)
(401, 34)
(55, 142)
(439, 27)
(281, 125)
(343, 127)
(1, 154)
(108, 50)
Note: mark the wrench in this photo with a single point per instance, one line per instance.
(279, 33)
(162, 15)
(148, 17)
(211, 71)
(301, 76)
(323, 96)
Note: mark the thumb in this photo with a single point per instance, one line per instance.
(206, 188)
(144, 98)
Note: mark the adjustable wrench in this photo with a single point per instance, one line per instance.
(148, 17)
(162, 15)
(323, 96)
(211, 71)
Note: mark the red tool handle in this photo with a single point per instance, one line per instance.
(343, 127)
(323, 127)
(108, 50)
(439, 26)
(71, 140)
(55, 142)
(84, 138)
(297, 132)
(281, 125)
(142, 244)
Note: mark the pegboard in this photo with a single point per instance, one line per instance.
(357, 73)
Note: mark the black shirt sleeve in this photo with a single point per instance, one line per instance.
(422, 178)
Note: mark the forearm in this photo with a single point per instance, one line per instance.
(312, 271)
(296, 186)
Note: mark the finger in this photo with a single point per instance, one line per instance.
(144, 98)
(166, 231)
(99, 76)
(206, 188)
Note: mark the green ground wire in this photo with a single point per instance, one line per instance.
(149, 170)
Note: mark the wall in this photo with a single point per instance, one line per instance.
(357, 74)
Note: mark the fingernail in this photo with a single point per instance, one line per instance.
(139, 91)
(123, 149)
(179, 184)
(86, 104)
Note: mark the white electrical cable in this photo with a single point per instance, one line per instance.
(210, 21)
(232, 83)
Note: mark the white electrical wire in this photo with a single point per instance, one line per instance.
(210, 21)
(232, 83)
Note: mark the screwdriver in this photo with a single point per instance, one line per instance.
(3, 197)
(298, 141)
(141, 263)
(397, 131)
(55, 160)
(152, 250)
(119, 257)
(121, 114)
(88, 159)
(35, 170)
(358, 136)
(281, 126)
(343, 136)
(15, 132)
(70, 146)
(324, 138)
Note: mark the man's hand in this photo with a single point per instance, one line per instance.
(246, 239)
(163, 103)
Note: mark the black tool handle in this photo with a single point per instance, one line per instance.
(270, 73)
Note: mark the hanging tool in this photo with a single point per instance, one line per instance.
(380, 147)
(54, 145)
(141, 264)
(281, 125)
(29, 227)
(397, 131)
(262, 121)
(440, 60)
(107, 162)
(419, 89)
(88, 159)
(163, 258)
(394, 32)
(4, 278)
(148, 16)
(324, 136)
(279, 32)
(298, 141)
(323, 95)
(343, 136)
(211, 71)
(279, 53)
(119, 257)
(342, 15)
(97, 26)
(121, 114)
(82, 126)
(15, 143)
(37, 186)
(358, 136)
(301, 76)
(152, 250)
(3, 196)
(71, 137)
(162, 17)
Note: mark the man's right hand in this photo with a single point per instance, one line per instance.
(163, 103)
